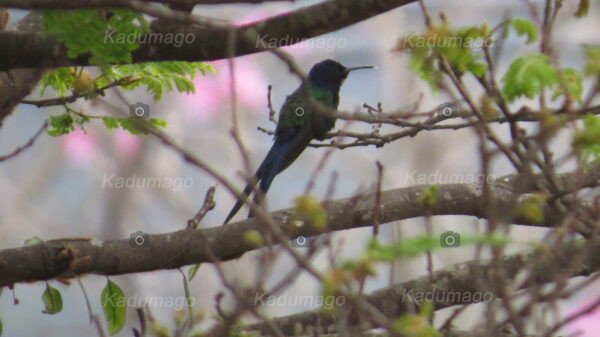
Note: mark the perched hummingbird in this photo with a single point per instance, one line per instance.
(298, 125)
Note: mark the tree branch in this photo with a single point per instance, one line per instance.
(469, 280)
(18, 83)
(75, 96)
(27, 145)
(75, 256)
(210, 43)
(67, 4)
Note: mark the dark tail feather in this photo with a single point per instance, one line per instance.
(281, 154)
(239, 203)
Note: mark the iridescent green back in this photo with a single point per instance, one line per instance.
(295, 112)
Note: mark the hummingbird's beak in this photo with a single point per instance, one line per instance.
(361, 67)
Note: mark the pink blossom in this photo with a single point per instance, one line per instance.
(587, 324)
(79, 147)
(126, 144)
(213, 94)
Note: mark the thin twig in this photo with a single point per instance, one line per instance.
(207, 205)
(27, 145)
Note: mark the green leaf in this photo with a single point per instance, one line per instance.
(458, 46)
(477, 68)
(532, 208)
(110, 122)
(415, 326)
(160, 77)
(588, 139)
(253, 238)
(425, 68)
(525, 27)
(130, 125)
(60, 124)
(592, 57)
(591, 153)
(113, 303)
(32, 241)
(1, 328)
(61, 80)
(52, 301)
(193, 270)
(157, 77)
(528, 76)
(429, 196)
(312, 210)
(407, 247)
(98, 38)
(414, 246)
(158, 123)
(573, 83)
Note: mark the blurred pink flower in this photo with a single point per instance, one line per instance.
(587, 324)
(79, 147)
(126, 144)
(213, 94)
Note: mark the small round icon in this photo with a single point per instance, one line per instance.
(138, 239)
(299, 111)
(301, 242)
(139, 110)
(450, 239)
(447, 109)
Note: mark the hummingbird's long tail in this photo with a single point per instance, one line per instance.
(287, 147)
(239, 203)
(268, 169)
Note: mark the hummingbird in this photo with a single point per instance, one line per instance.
(298, 125)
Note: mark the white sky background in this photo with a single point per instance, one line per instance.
(55, 189)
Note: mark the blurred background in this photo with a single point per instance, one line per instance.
(59, 188)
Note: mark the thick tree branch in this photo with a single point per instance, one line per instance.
(69, 257)
(451, 286)
(18, 83)
(450, 333)
(210, 43)
(68, 4)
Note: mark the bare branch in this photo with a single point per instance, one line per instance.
(473, 279)
(70, 257)
(27, 145)
(22, 50)
(207, 205)
(66, 4)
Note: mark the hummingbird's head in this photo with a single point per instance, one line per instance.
(330, 74)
